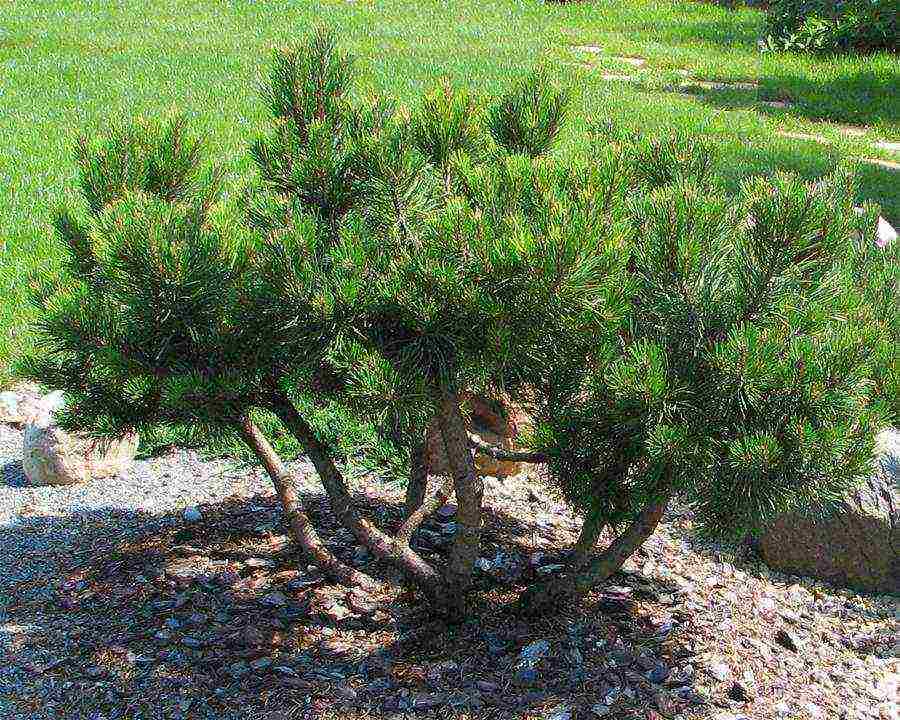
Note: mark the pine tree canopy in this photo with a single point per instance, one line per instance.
(665, 337)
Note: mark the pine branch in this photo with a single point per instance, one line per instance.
(508, 455)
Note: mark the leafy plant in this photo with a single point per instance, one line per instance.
(833, 26)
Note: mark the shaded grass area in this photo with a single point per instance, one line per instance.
(67, 65)
(851, 89)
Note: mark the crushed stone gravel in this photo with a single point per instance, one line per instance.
(43, 529)
(173, 593)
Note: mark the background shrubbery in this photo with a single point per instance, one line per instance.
(832, 26)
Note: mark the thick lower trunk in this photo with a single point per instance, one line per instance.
(586, 545)
(418, 479)
(301, 528)
(378, 543)
(469, 489)
(573, 587)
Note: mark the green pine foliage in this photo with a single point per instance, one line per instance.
(738, 352)
(140, 324)
(526, 119)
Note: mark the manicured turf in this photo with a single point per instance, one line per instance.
(66, 65)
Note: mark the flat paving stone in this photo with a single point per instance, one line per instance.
(890, 146)
(852, 130)
(617, 77)
(710, 85)
(632, 60)
(592, 49)
(889, 164)
(802, 136)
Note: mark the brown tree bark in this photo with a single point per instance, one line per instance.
(302, 529)
(586, 544)
(418, 479)
(469, 489)
(511, 455)
(377, 542)
(571, 588)
(412, 523)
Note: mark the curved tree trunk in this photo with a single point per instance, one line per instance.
(302, 529)
(586, 545)
(545, 596)
(412, 523)
(418, 479)
(469, 496)
(381, 545)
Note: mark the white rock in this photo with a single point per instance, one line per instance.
(53, 402)
(484, 564)
(885, 234)
(10, 412)
(814, 710)
(530, 654)
(720, 671)
(562, 712)
(52, 456)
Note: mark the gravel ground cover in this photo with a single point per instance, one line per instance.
(173, 592)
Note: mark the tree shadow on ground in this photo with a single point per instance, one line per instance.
(13, 475)
(728, 32)
(863, 96)
(116, 614)
(125, 614)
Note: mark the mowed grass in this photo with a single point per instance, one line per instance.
(71, 65)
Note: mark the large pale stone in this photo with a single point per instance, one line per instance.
(858, 547)
(492, 424)
(52, 456)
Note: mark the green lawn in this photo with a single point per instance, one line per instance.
(66, 65)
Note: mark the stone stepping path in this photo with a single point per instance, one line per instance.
(710, 85)
(617, 77)
(848, 130)
(632, 60)
(851, 130)
(803, 136)
(854, 132)
(893, 147)
(692, 84)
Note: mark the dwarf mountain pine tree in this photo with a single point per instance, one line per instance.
(665, 339)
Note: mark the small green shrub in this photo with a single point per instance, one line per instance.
(833, 26)
(667, 340)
